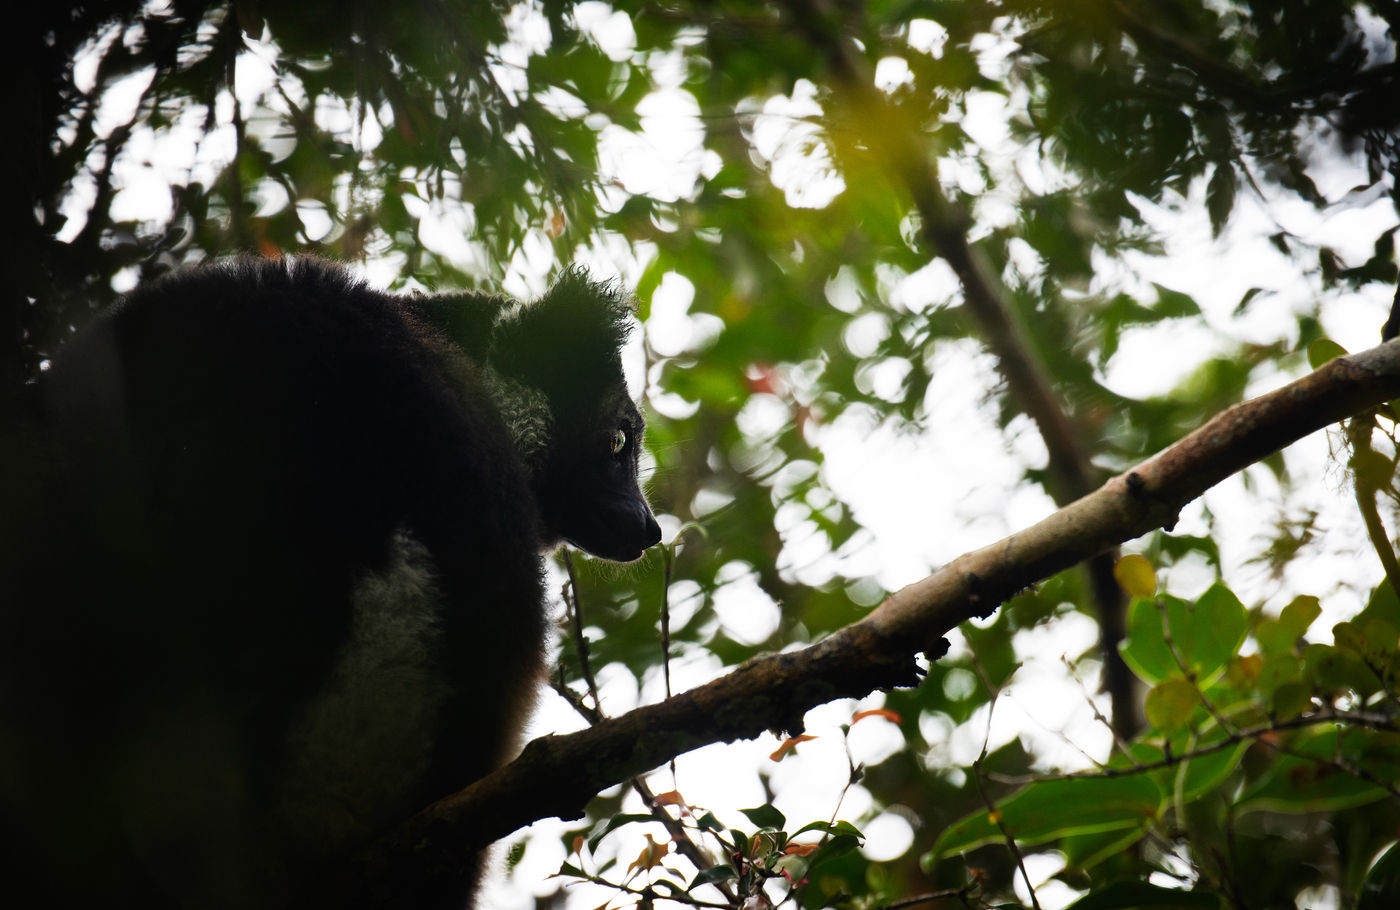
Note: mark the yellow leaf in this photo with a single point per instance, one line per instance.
(1136, 575)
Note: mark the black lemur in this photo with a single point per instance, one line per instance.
(273, 577)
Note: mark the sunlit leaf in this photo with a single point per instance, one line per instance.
(1049, 809)
(1381, 888)
(1170, 703)
(1204, 635)
(1146, 649)
(1322, 350)
(1278, 636)
(1136, 575)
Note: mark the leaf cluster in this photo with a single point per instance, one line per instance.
(455, 144)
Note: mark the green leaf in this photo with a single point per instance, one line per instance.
(840, 827)
(1245, 300)
(1174, 304)
(1131, 895)
(708, 822)
(1380, 890)
(1204, 773)
(1274, 637)
(1382, 637)
(1322, 350)
(1206, 635)
(766, 817)
(617, 821)
(1290, 700)
(1383, 604)
(1214, 630)
(1193, 776)
(1348, 635)
(1336, 669)
(722, 872)
(1048, 809)
(1084, 851)
(837, 846)
(1170, 704)
(1220, 196)
(1300, 613)
(1373, 640)
(1145, 648)
(1277, 671)
(1373, 469)
(1308, 779)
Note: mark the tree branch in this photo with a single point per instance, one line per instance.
(944, 227)
(558, 775)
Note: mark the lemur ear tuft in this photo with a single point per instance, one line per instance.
(572, 332)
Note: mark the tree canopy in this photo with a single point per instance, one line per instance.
(1025, 245)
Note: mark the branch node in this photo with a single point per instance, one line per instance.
(981, 605)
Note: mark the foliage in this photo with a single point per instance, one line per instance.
(1238, 744)
(787, 185)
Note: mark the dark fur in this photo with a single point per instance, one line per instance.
(221, 474)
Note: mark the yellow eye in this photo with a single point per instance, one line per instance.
(619, 440)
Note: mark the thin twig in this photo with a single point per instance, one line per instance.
(1260, 733)
(680, 836)
(1119, 742)
(668, 557)
(1359, 435)
(959, 893)
(650, 893)
(1187, 672)
(574, 605)
(977, 776)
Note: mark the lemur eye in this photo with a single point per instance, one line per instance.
(619, 440)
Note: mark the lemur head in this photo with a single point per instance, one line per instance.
(559, 363)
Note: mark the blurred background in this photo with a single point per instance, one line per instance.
(911, 274)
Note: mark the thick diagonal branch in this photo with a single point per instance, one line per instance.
(558, 775)
(1030, 386)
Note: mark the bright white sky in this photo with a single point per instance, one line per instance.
(926, 498)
